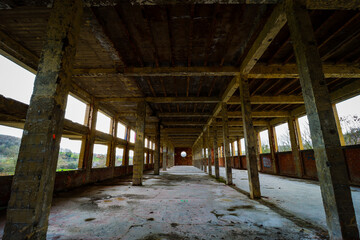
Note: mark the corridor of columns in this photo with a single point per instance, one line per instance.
(159, 119)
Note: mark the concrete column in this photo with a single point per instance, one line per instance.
(298, 136)
(157, 149)
(138, 167)
(164, 157)
(338, 126)
(167, 156)
(273, 145)
(258, 151)
(201, 159)
(226, 140)
(209, 151)
(111, 154)
(126, 148)
(239, 151)
(250, 140)
(89, 149)
(204, 147)
(330, 160)
(295, 147)
(232, 153)
(33, 183)
(216, 153)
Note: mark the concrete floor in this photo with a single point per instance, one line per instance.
(182, 203)
(297, 196)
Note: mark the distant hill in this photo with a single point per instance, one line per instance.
(9, 146)
(9, 149)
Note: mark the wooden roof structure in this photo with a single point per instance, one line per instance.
(186, 59)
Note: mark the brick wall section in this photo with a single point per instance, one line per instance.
(179, 160)
(287, 167)
(71, 179)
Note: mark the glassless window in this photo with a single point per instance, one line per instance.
(99, 156)
(10, 140)
(305, 132)
(103, 122)
(146, 142)
(121, 131)
(16, 82)
(242, 142)
(235, 148)
(283, 137)
(131, 157)
(264, 139)
(68, 154)
(132, 136)
(75, 110)
(349, 117)
(119, 157)
(145, 158)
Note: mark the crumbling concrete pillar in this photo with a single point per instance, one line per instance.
(111, 154)
(157, 149)
(273, 145)
(226, 140)
(295, 147)
(250, 139)
(164, 157)
(216, 153)
(138, 167)
(33, 182)
(330, 160)
(87, 147)
(239, 151)
(204, 147)
(209, 150)
(338, 125)
(258, 151)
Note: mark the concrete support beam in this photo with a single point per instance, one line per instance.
(216, 153)
(87, 148)
(157, 149)
(258, 150)
(33, 182)
(272, 27)
(204, 147)
(338, 126)
(209, 150)
(260, 70)
(310, 4)
(111, 154)
(17, 53)
(138, 167)
(239, 150)
(226, 141)
(250, 140)
(330, 161)
(295, 148)
(164, 163)
(273, 148)
(298, 136)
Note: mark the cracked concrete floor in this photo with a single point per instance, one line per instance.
(182, 203)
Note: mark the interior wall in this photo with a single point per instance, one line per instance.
(179, 160)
